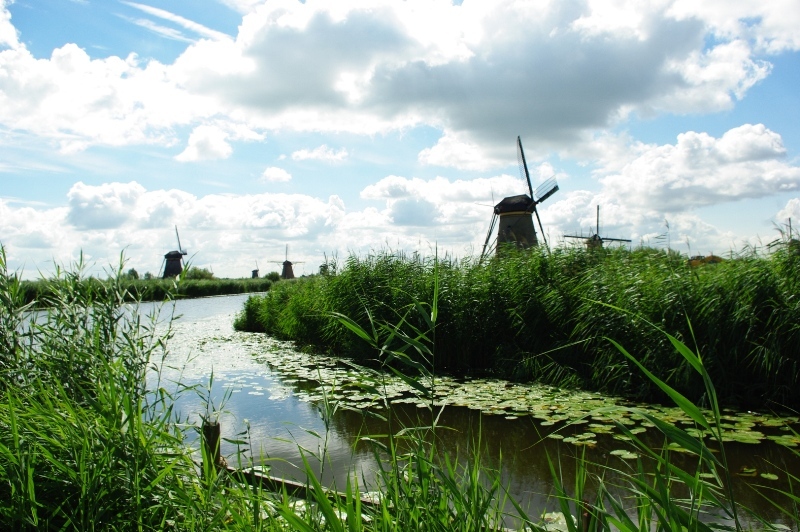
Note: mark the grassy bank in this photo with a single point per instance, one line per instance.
(545, 316)
(89, 442)
(153, 289)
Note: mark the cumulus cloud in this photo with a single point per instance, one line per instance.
(8, 33)
(321, 153)
(699, 170)
(449, 151)
(102, 207)
(481, 72)
(790, 210)
(206, 143)
(273, 174)
(78, 101)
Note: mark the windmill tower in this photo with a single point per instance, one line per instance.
(173, 261)
(596, 241)
(254, 273)
(513, 216)
(288, 272)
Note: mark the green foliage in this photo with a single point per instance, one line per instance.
(85, 442)
(194, 273)
(152, 289)
(532, 315)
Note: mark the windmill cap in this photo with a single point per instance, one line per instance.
(523, 202)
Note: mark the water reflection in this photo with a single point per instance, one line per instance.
(279, 424)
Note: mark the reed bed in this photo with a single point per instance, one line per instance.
(535, 315)
(154, 289)
(89, 442)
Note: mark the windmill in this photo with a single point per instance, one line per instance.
(596, 241)
(287, 272)
(173, 261)
(513, 216)
(254, 274)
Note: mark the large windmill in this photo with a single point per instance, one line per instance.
(288, 272)
(173, 261)
(513, 216)
(596, 241)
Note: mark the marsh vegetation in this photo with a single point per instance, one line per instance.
(90, 437)
(546, 317)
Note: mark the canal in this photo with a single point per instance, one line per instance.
(282, 401)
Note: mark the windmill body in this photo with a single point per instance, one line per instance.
(515, 222)
(288, 272)
(173, 261)
(513, 216)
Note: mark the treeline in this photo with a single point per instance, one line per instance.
(548, 317)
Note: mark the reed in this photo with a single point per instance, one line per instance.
(532, 316)
(88, 442)
(40, 291)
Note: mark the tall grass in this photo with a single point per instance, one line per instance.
(531, 316)
(153, 289)
(86, 443)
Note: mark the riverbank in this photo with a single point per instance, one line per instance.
(92, 438)
(42, 291)
(548, 317)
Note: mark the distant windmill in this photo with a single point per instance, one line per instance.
(596, 241)
(513, 216)
(287, 272)
(254, 274)
(173, 261)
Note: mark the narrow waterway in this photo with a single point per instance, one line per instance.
(274, 398)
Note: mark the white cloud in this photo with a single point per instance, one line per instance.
(102, 207)
(321, 153)
(8, 33)
(78, 101)
(180, 21)
(771, 25)
(482, 72)
(273, 174)
(206, 143)
(700, 170)
(790, 210)
(449, 151)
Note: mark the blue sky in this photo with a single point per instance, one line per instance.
(359, 125)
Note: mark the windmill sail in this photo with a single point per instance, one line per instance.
(595, 240)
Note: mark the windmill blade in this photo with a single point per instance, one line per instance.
(598, 221)
(544, 239)
(489, 234)
(615, 239)
(179, 239)
(545, 190)
(523, 165)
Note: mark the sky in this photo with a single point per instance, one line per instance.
(356, 126)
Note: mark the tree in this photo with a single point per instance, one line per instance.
(198, 273)
(133, 274)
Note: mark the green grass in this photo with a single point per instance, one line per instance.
(153, 289)
(533, 316)
(87, 442)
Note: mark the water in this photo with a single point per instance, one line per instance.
(267, 394)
